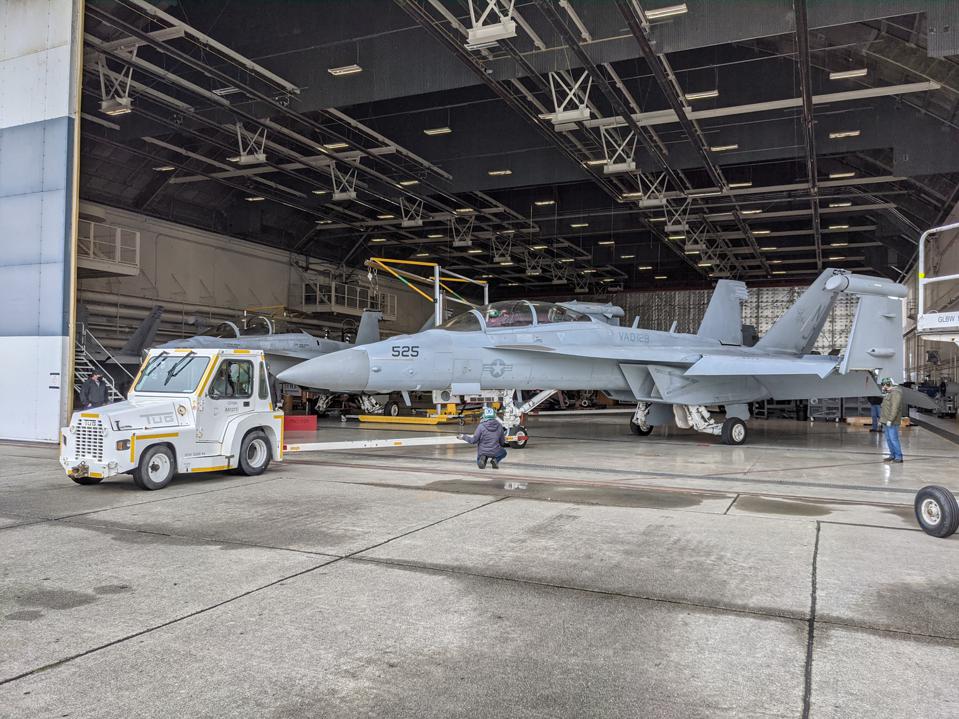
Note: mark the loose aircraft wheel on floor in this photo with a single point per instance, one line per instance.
(521, 432)
(640, 431)
(391, 409)
(254, 454)
(937, 511)
(734, 431)
(87, 480)
(156, 469)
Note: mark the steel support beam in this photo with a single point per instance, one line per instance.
(809, 129)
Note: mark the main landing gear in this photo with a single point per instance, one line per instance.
(732, 431)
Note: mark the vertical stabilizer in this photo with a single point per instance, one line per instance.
(723, 320)
(369, 329)
(799, 328)
(143, 336)
(875, 341)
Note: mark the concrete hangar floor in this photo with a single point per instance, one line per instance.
(595, 574)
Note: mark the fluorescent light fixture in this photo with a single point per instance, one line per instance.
(594, 163)
(588, 272)
(677, 237)
(838, 227)
(485, 277)
(464, 210)
(579, 224)
(704, 95)
(606, 242)
(506, 264)
(723, 148)
(512, 284)
(660, 277)
(838, 244)
(566, 259)
(690, 252)
(631, 195)
(499, 173)
(324, 222)
(474, 252)
(164, 168)
(116, 106)
(539, 247)
(432, 131)
(779, 272)
(385, 216)
(606, 279)
(737, 185)
(626, 257)
(645, 267)
(228, 90)
(668, 11)
(378, 239)
(657, 219)
(254, 198)
(775, 262)
(837, 257)
(511, 232)
(750, 212)
(321, 192)
(335, 146)
(544, 203)
(841, 175)
(846, 74)
(761, 232)
(840, 204)
(435, 236)
(422, 254)
(768, 249)
(344, 70)
(408, 183)
(844, 133)
(703, 193)
(704, 264)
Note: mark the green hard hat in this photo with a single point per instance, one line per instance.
(886, 381)
(489, 413)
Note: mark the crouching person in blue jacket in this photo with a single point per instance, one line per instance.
(490, 440)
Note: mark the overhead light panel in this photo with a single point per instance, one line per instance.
(626, 257)
(704, 95)
(838, 227)
(844, 133)
(432, 131)
(723, 148)
(474, 252)
(422, 254)
(435, 236)
(544, 203)
(336, 146)
(660, 277)
(254, 198)
(738, 185)
(408, 183)
(594, 163)
(750, 212)
(779, 272)
(847, 74)
(631, 195)
(677, 237)
(321, 192)
(228, 90)
(378, 239)
(324, 222)
(116, 106)
(841, 175)
(703, 193)
(837, 257)
(645, 267)
(344, 70)
(577, 225)
(506, 263)
(838, 244)
(668, 11)
(775, 262)
(566, 259)
(768, 249)
(588, 272)
(840, 204)
(499, 173)
(704, 264)
(164, 168)
(606, 242)
(539, 247)
(690, 252)
(464, 210)
(385, 216)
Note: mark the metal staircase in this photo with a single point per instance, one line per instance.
(84, 364)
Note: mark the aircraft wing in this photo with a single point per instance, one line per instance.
(640, 354)
(730, 365)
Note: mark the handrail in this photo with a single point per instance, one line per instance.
(921, 268)
(105, 351)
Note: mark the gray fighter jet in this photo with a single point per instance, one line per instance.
(492, 351)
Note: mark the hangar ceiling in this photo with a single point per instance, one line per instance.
(696, 140)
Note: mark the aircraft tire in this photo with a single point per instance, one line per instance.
(86, 481)
(937, 511)
(734, 431)
(639, 431)
(391, 409)
(521, 444)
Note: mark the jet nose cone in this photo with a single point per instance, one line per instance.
(341, 371)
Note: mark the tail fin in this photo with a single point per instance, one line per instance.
(143, 336)
(723, 320)
(798, 329)
(875, 341)
(369, 329)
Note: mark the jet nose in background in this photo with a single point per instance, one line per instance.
(344, 370)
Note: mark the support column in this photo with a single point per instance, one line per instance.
(40, 65)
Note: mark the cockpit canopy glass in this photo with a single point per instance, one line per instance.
(512, 313)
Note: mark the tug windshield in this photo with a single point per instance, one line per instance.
(172, 373)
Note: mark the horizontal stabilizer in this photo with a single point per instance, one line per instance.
(723, 366)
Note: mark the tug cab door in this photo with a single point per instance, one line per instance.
(232, 392)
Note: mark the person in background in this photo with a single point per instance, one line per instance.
(94, 392)
(875, 405)
(490, 440)
(890, 415)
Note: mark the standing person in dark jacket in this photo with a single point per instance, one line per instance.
(490, 439)
(891, 416)
(94, 392)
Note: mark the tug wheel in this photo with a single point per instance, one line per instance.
(937, 511)
(156, 469)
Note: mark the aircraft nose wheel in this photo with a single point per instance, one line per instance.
(937, 511)
(522, 437)
(734, 431)
(639, 430)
